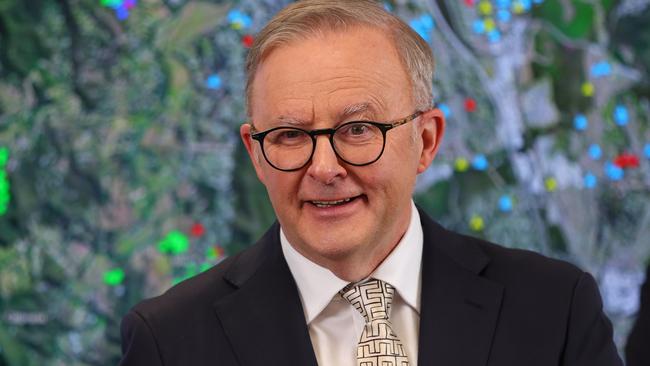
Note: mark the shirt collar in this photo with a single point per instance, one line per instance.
(318, 285)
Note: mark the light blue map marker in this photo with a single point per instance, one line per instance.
(595, 152)
(238, 18)
(480, 162)
(423, 26)
(590, 181)
(504, 15)
(213, 82)
(505, 203)
(621, 116)
(494, 36)
(445, 109)
(600, 69)
(580, 122)
(614, 172)
(478, 26)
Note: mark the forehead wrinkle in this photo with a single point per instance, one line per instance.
(355, 77)
(293, 121)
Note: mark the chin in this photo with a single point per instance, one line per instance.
(333, 246)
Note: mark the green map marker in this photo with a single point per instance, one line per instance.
(174, 243)
(114, 277)
(111, 3)
(4, 157)
(4, 181)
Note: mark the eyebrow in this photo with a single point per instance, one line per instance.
(293, 121)
(347, 112)
(355, 109)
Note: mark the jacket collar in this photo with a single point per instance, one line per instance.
(460, 308)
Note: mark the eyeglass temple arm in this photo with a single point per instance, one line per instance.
(405, 120)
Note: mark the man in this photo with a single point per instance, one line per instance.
(354, 273)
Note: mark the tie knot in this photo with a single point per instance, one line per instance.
(371, 298)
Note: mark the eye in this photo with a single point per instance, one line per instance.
(358, 129)
(290, 134)
(287, 136)
(358, 133)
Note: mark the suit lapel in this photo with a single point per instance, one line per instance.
(459, 307)
(263, 318)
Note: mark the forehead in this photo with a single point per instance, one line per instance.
(327, 73)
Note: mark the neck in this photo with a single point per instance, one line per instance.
(353, 266)
(357, 267)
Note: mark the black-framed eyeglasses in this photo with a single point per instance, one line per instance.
(357, 143)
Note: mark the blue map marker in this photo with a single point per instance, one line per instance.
(480, 162)
(614, 172)
(238, 19)
(505, 203)
(590, 181)
(600, 69)
(580, 122)
(621, 116)
(444, 108)
(494, 36)
(504, 15)
(478, 26)
(423, 26)
(213, 82)
(595, 152)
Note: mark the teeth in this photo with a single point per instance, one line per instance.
(322, 204)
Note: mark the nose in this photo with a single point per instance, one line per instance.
(325, 166)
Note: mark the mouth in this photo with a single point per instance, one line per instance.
(333, 203)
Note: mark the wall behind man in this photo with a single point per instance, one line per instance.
(121, 170)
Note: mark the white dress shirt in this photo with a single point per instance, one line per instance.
(334, 325)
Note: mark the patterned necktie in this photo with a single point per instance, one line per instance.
(379, 345)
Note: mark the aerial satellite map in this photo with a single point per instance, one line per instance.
(122, 172)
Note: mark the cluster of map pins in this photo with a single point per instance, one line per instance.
(240, 22)
(478, 162)
(175, 243)
(494, 16)
(122, 8)
(613, 169)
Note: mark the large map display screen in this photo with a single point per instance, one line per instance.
(122, 173)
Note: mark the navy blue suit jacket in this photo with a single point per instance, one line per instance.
(481, 304)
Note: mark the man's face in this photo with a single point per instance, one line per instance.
(323, 82)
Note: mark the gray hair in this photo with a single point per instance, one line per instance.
(309, 18)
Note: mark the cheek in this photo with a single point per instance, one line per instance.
(379, 182)
(280, 186)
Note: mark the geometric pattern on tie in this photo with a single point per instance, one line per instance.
(378, 345)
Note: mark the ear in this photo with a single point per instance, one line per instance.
(253, 152)
(432, 128)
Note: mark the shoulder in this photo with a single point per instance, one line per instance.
(521, 270)
(508, 261)
(528, 272)
(194, 297)
(197, 291)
